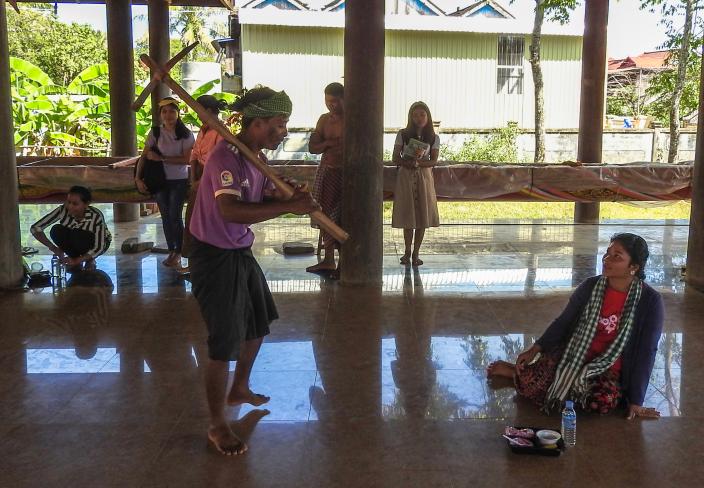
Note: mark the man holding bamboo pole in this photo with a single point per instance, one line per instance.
(228, 283)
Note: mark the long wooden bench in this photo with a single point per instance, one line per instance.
(112, 180)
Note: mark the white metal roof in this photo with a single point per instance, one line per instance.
(405, 22)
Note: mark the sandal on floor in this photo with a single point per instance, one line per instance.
(405, 260)
(417, 262)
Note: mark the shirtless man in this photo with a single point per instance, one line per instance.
(327, 139)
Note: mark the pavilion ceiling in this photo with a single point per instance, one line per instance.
(176, 3)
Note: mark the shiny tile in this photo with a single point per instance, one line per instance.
(370, 386)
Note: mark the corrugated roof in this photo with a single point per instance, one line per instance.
(647, 60)
(470, 9)
(258, 4)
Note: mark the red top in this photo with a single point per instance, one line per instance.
(607, 328)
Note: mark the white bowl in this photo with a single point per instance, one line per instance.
(548, 437)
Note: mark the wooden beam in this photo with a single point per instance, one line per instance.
(10, 258)
(592, 99)
(159, 48)
(214, 123)
(123, 124)
(361, 257)
(175, 3)
(695, 245)
(154, 81)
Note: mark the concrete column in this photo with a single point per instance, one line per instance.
(158, 15)
(362, 255)
(695, 246)
(592, 100)
(123, 127)
(10, 254)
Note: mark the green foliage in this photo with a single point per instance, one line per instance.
(559, 10)
(499, 146)
(76, 115)
(199, 24)
(60, 50)
(65, 117)
(191, 118)
(141, 74)
(625, 101)
(662, 85)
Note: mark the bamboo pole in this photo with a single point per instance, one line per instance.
(214, 123)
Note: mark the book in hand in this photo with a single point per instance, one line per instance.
(416, 149)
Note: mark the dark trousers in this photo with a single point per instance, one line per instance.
(170, 200)
(73, 242)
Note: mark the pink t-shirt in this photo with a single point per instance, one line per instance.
(227, 172)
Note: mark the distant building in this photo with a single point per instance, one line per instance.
(633, 74)
(470, 66)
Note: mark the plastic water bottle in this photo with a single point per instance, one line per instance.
(569, 424)
(57, 271)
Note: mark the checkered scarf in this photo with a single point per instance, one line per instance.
(277, 104)
(572, 374)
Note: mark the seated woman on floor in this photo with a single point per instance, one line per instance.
(600, 351)
(80, 234)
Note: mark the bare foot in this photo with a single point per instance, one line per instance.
(225, 441)
(502, 369)
(405, 259)
(238, 398)
(416, 261)
(169, 260)
(173, 261)
(321, 267)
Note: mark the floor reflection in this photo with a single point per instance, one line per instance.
(456, 381)
(357, 376)
(537, 257)
(71, 361)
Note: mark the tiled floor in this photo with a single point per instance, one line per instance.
(100, 385)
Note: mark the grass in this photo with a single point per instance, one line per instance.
(465, 212)
(481, 211)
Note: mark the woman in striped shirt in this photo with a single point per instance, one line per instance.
(80, 234)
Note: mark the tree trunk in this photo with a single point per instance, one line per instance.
(538, 82)
(682, 60)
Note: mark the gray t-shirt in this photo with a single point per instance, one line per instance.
(170, 146)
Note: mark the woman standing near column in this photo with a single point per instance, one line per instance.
(170, 144)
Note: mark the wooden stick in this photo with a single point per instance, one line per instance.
(228, 4)
(214, 123)
(156, 79)
(14, 5)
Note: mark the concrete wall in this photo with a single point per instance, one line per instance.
(620, 146)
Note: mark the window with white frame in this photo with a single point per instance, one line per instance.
(509, 65)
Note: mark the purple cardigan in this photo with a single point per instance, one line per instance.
(639, 353)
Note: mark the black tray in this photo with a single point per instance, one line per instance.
(536, 448)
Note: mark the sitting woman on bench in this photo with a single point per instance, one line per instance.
(80, 234)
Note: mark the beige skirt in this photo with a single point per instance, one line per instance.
(415, 202)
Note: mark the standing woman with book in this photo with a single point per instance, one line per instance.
(415, 204)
